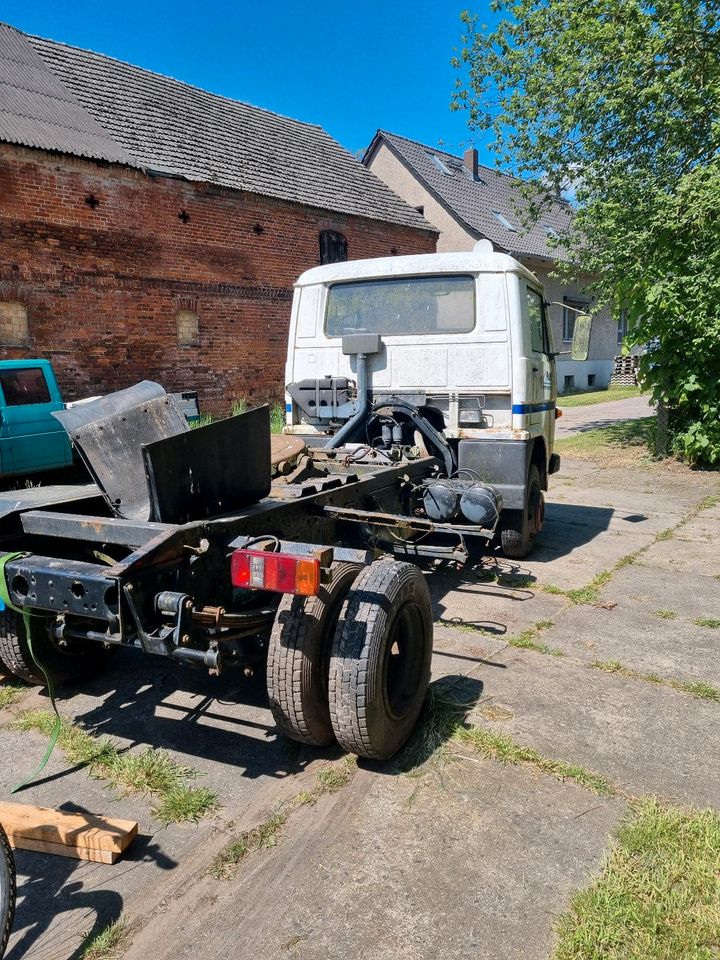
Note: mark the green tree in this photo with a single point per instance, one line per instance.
(619, 100)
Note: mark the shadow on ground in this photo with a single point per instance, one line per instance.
(51, 881)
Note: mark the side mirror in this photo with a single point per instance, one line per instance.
(581, 337)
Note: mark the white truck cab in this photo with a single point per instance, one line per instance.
(462, 339)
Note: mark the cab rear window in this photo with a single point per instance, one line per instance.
(26, 385)
(402, 307)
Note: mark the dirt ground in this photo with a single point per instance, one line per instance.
(465, 857)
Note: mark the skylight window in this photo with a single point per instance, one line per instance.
(504, 221)
(551, 231)
(442, 167)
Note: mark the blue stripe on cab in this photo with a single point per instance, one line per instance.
(525, 408)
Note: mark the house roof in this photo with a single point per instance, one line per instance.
(65, 99)
(478, 202)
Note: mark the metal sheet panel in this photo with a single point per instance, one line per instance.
(111, 444)
(211, 470)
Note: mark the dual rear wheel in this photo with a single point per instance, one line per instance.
(352, 664)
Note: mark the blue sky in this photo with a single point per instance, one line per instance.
(349, 65)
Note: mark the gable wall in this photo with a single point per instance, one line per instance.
(453, 236)
(103, 287)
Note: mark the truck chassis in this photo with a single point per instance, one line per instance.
(347, 659)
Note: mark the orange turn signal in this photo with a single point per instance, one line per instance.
(558, 412)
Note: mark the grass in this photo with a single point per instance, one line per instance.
(277, 416)
(152, 772)
(665, 614)
(10, 692)
(505, 749)
(707, 622)
(590, 593)
(589, 397)
(107, 943)
(624, 443)
(267, 834)
(696, 688)
(658, 896)
(262, 837)
(443, 728)
(528, 640)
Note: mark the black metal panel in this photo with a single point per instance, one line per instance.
(111, 445)
(62, 586)
(17, 501)
(502, 463)
(126, 533)
(81, 414)
(212, 470)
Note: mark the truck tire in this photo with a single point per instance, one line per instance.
(381, 657)
(7, 890)
(299, 657)
(79, 659)
(520, 527)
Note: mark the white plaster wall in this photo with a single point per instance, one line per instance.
(453, 237)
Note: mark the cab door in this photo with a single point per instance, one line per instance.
(542, 368)
(30, 438)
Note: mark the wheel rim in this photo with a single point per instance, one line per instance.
(536, 510)
(404, 660)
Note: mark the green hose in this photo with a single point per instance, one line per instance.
(32, 622)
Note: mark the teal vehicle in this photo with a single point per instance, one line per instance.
(31, 439)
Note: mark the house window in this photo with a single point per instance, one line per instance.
(333, 247)
(569, 382)
(622, 326)
(13, 324)
(442, 167)
(501, 218)
(591, 379)
(188, 328)
(570, 312)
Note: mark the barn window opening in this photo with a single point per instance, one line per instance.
(13, 324)
(188, 328)
(333, 247)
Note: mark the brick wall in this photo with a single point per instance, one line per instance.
(111, 266)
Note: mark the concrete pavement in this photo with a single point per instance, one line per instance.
(467, 859)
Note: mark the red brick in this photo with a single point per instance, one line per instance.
(102, 286)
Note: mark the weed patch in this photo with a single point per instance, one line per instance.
(696, 688)
(665, 614)
(107, 943)
(267, 834)
(707, 622)
(506, 749)
(11, 691)
(443, 728)
(528, 640)
(152, 772)
(657, 897)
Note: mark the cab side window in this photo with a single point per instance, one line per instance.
(24, 386)
(539, 338)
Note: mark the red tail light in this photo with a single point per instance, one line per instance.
(282, 572)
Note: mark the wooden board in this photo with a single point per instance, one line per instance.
(84, 836)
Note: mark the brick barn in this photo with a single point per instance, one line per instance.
(149, 229)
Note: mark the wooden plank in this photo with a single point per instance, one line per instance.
(62, 850)
(85, 831)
